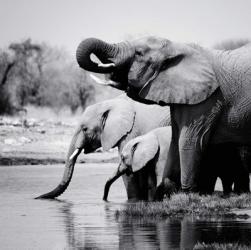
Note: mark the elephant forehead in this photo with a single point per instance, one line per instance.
(128, 150)
(152, 42)
(91, 112)
(96, 111)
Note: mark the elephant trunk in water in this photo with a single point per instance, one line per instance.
(119, 171)
(76, 146)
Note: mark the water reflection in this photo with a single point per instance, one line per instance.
(81, 220)
(181, 234)
(80, 234)
(151, 233)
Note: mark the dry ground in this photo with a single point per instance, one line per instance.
(41, 137)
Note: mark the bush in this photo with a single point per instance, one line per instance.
(37, 74)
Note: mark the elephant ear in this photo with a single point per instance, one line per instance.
(185, 77)
(144, 151)
(117, 121)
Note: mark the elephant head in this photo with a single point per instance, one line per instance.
(96, 128)
(136, 155)
(154, 69)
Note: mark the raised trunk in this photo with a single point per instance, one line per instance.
(76, 146)
(101, 49)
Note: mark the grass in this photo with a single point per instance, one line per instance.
(221, 246)
(182, 204)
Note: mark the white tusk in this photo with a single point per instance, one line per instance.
(100, 149)
(98, 80)
(106, 65)
(103, 82)
(76, 151)
(112, 83)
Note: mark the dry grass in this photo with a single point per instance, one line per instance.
(220, 246)
(181, 204)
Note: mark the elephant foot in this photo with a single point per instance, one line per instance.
(190, 188)
(205, 192)
(241, 189)
(166, 187)
(225, 195)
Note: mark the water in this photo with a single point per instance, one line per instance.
(81, 220)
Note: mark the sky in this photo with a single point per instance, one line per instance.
(64, 23)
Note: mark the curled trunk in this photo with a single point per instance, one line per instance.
(104, 51)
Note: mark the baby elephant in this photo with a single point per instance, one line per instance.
(146, 156)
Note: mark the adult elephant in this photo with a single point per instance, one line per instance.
(209, 93)
(109, 124)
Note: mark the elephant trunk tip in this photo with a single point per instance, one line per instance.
(46, 196)
(54, 193)
(106, 190)
(43, 197)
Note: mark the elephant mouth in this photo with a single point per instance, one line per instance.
(120, 75)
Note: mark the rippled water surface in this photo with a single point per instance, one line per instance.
(81, 220)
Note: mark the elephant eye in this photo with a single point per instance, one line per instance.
(139, 52)
(134, 148)
(103, 119)
(84, 128)
(122, 157)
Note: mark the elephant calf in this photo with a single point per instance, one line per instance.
(147, 155)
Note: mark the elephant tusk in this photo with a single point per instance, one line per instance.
(106, 65)
(76, 152)
(103, 82)
(98, 80)
(100, 149)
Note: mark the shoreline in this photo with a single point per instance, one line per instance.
(27, 141)
(47, 159)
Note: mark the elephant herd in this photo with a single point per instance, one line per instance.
(184, 121)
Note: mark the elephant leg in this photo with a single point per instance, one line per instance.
(142, 184)
(207, 173)
(151, 188)
(241, 180)
(241, 177)
(171, 175)
(232, 169)
(242, 184)
(189, 164)
(190, 158)
(196, 129)
(229, 167)
(131, 183)
(206, 182)
(227, 185)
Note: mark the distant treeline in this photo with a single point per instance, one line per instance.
(41, 75)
